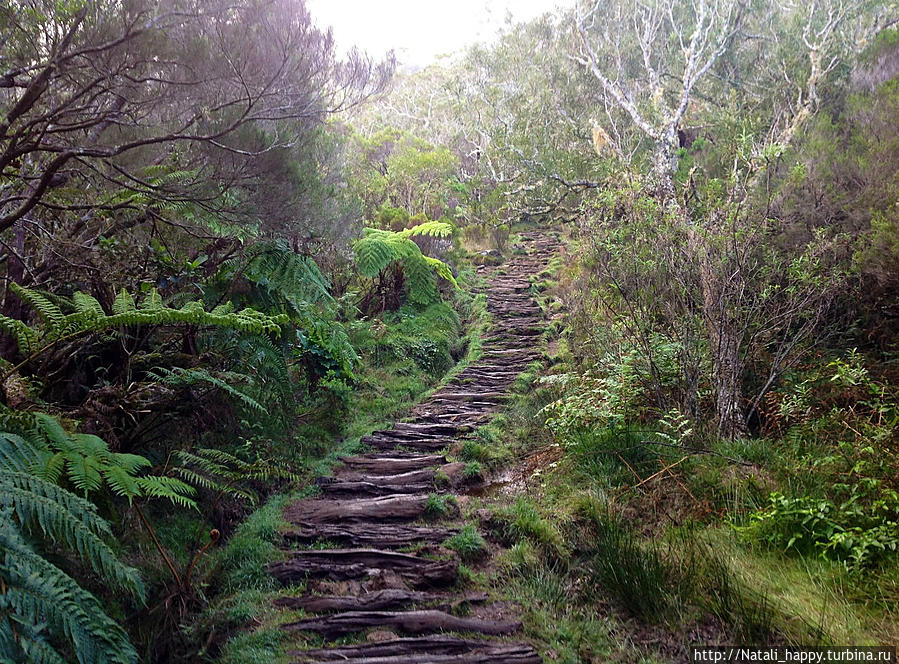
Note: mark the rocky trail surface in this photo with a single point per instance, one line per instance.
(391, 591)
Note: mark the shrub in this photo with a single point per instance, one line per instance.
(859, 536)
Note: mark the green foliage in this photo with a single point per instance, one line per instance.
(635, 573)
(42, 606)
(226, 474)
(397, 175)
(616, 389)
(84, 461)
(468, 543)
(252, 547)
(473, 471)
(522, 520)
(848, 531)
(428, 337)
(440, 506)
(379, 249)
(480, 453)
(87, 315)
(225, 381)
(44, 613)
(274, 278)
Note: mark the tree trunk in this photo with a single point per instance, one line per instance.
(727, 379)
(724, 337)
(664, 164)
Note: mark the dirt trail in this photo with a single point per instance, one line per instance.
(407, 607)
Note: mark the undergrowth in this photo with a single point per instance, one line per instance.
(404, 355)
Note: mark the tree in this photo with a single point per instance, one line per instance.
(96, 93)
(649, 59)
(673, 60)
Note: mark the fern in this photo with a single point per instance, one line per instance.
(421, 285)
(52, 454)
(26, 642)
(86, 315)
(284, 282)
(41, 606)
(40, 597)
(378, 249)
(277, 268)
(224, 473)
(225, 381)
(170, 488)
(429, 229)
(65, 520)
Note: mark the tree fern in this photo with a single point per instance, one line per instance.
(281, 281)
(429, 229)
(378, 249)
(421, 284)
(85, 315)
(276, 267)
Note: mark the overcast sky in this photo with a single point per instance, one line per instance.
(420, 30)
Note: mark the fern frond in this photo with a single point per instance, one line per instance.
(42, 305)
(84, 472)
(26, 643)
(67, 520)
(218, 470)
(170, 488)
(421, 286)
(57, 437)
(429, 229)
(121, 481)
(373, 254)
(27, 339)
(38, 593)
(275, 266)
(86, 462)
(152, 301)
(87, 306)
(124, 303)
(181, 377)
(442, 269)
(17, 454)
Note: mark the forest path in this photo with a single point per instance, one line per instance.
(393, 594)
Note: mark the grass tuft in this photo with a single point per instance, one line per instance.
(468, 543)
(440, 506)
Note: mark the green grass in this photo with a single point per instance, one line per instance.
(804, 597)
(261, 645)
(254, 544)
(632, 572)
(468, 543)
(562, 624)
(487, 448)
(522, 520)
(440, 506)
(473, 471)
